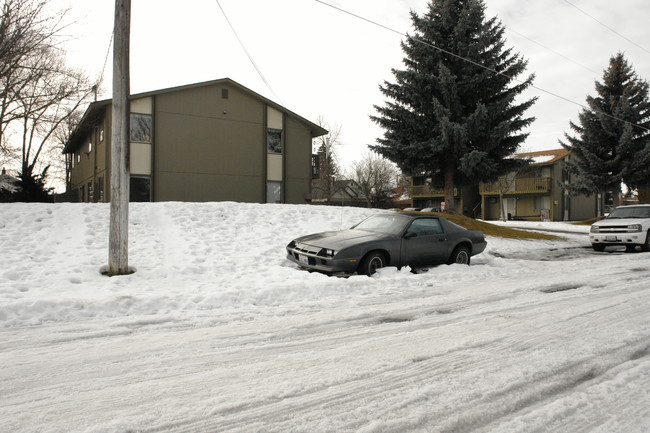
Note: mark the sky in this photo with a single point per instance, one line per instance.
(320, 62)
(217, 331)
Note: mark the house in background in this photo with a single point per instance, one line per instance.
(536, 193)
(210, 141)
(424, 195)
(345, 192)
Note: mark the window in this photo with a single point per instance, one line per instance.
(273, 192)
(101, 135)
(224, 93)
(141, 125)
(274, 141)
(78, 158)
(315, 166)
(425, 226)
(90, 146)
(140, 189)
(99, 190)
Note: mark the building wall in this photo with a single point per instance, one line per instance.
(582, 208)
(89, 175)
(208, 148)
(557, 193)
(297, 167)
(208, 143)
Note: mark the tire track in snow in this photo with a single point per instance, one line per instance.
(338, 395)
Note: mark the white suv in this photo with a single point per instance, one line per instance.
(625, 225)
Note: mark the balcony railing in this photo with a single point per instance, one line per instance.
(528, 185)
(427, 191)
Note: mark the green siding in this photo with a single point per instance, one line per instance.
(207, 148)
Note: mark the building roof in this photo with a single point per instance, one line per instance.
(97, 108)
(544, 157)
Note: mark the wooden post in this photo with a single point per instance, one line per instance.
(118, 255)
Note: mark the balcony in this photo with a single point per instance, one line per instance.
(427, 191)
(530, 185)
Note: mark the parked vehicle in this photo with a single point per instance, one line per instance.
(431, 209)
(387, 239)
(627, 226)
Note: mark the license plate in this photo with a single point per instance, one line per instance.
(303, 259)
(611, 238)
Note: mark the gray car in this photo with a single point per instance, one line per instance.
(387, 239)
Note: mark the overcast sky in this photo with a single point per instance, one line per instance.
(320, 61)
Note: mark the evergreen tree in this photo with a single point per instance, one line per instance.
(31, 188)
(446, 116)
(612, 144)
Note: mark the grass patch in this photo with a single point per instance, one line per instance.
(587, 222)
(495, 230)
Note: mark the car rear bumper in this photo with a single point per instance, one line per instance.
(323, 264)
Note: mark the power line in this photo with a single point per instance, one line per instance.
(259, 71)
(552, 50)
(108, 50)
(479, 65)
(606, 26)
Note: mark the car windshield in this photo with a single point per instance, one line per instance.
(387, 224)
(630, 212)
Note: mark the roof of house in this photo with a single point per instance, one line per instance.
(544, 157)
(95, 109)
(8, 183)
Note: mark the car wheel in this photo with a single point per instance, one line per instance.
(630, 248)
(646, 247)
(370, 263)
(460, 255)
(598, 247)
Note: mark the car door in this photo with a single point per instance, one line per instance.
(424, 243)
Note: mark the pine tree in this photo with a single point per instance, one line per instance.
(612, 145)
(446, 116)
(31, 188)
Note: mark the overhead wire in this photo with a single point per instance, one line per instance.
(108, 51)
(548, 92)
(606, 26)
(551, 50)
(248, 54)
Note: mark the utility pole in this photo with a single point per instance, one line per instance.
(118, 254)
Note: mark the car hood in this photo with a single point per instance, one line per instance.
(621, 222)
(340, 239)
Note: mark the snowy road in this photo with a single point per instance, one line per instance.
(216, 332)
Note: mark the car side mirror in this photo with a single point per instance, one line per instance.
(410, 235)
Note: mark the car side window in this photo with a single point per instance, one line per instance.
(425, 226)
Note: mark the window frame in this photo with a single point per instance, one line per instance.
(435, 225)
(278, 148)
(277, 184)
(141, 138)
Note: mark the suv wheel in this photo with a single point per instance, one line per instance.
(598, 247)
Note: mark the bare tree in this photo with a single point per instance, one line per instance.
(48, 102)
(326, 184)
(27, 34)
(376, 177)
(38, 93)
(62, 135)
(505, 184)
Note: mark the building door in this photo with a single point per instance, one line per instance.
(510, 207)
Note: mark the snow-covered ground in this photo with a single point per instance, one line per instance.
(217, 332)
